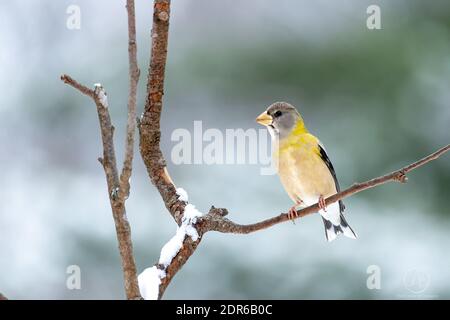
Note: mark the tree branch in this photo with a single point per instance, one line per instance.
(131, 121)
(218, 223)
(150, 130)
(116, 196)
(119, 189)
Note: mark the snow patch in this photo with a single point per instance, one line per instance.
(191, 214)
(101, 94)
(150, 278)
(103, 98)
(189, 219)
(149, 281)
(183, 196)
(191, 232)
(171, 248)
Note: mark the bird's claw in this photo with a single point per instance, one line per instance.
(292, 213)
(322, 204)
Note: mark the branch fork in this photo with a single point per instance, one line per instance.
(118, 186)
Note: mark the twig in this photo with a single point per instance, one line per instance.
(131, 122)
(116, 197)
(82, 88)
(119, 188)
(220, 224)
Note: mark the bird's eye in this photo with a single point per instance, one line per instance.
(277, 114)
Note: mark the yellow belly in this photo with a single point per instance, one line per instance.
(304, 174)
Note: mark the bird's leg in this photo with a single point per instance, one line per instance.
(292, 213)
(322, 204)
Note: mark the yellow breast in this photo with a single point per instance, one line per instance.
(302, 171)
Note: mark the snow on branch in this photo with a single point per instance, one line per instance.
(149, 282)
(187, 228)
(150, 279)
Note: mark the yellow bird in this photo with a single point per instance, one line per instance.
(304, 167)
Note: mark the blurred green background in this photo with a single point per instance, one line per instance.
(378, 99)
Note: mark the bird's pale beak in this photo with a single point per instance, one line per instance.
(264, 119)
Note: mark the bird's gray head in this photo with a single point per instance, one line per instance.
(280, 118)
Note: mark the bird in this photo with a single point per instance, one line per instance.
(304, 168)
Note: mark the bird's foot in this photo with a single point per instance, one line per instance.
(292, 213)
(322, 204)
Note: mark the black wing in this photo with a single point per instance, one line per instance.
(327, 161)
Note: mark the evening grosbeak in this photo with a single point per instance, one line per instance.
(304, 167)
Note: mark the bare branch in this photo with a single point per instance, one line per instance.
(131, 122)
(83, 89)
(220, 224)
(150, 135)
(101, 101)
(118, 189)
(117, 199)
(150, 132)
